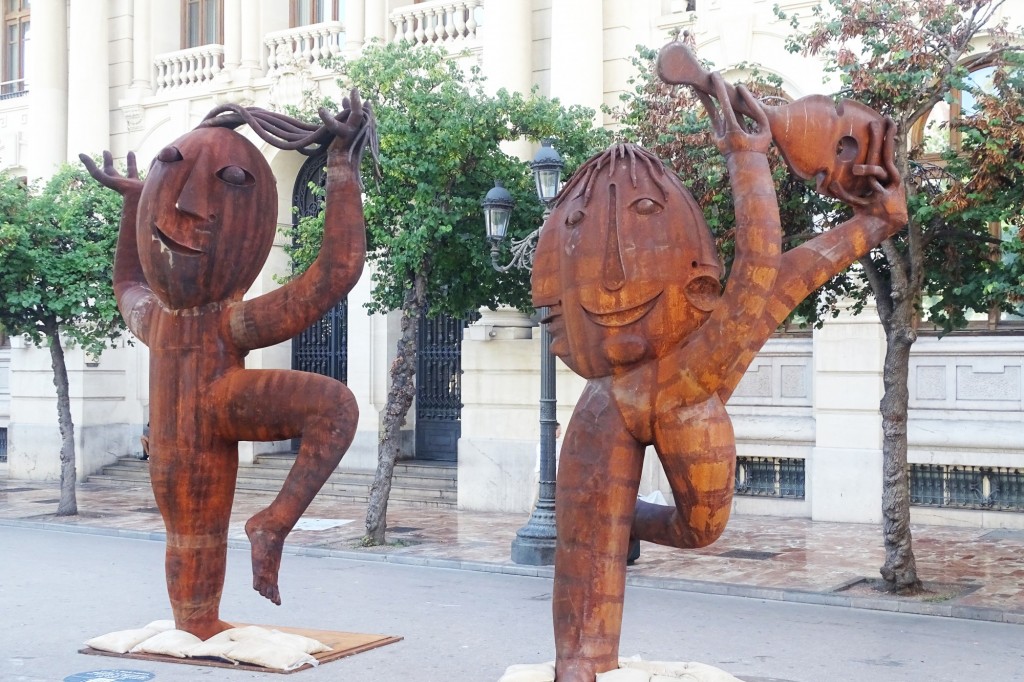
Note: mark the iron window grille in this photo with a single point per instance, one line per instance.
(770, 477)
(967, 487)
(3, 445)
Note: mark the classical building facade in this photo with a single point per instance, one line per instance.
(89, 75)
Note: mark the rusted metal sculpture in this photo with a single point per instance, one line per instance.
(194, 236)
(631, 275)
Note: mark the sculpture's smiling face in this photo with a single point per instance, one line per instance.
(628, 271)
(206, 218)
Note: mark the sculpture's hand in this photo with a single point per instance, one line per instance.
(109, 177)
(730, 134)
(888, 199)
(353, 126)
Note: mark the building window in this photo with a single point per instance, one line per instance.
(966, 487)
(306, 12)
(770, 477)
(16, 32)
(202, 22)
(938, 134)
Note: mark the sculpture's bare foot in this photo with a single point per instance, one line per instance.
(267, 546)
(204, 629)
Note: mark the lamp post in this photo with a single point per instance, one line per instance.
(534, 543)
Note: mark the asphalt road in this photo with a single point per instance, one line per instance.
(58, 589)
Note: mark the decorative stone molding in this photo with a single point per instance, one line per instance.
(780, 375)
(188, 67)
(303, 45)
(437, 23)
(134, 115)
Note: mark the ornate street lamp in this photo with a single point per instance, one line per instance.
(547, 172)
(498, 206)
(535, 542)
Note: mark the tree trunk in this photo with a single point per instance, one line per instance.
(400, 397)
(900, 568)
(68, 505)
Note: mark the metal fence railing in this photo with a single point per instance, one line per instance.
(967, 487)
(771, 477)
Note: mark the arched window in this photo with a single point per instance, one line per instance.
(202, 22)
(16, 29)
(936, 134)
(306, 12)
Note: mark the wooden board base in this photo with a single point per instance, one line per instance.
(343, 644)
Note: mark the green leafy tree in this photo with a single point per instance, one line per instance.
(902, 58)
(440, 152)
(57, 246)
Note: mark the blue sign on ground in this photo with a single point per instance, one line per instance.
(111, 676)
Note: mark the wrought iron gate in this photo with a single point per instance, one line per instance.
(439, 388)
(323, 347)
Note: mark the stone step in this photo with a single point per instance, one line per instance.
(415, 484)
(398, 496)
(437, 471)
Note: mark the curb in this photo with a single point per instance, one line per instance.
(675, 584)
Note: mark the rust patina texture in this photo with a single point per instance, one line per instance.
(630, 272)
(194, 236)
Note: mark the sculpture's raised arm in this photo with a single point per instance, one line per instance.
(284, 312)
(134, 296)
(734, 321)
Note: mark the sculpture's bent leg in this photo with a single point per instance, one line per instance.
(598, 477)
(194, 488)
(698, 452)
(275, 405)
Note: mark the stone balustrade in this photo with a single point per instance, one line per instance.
(437, 23)
(303, 45)
(188, 67)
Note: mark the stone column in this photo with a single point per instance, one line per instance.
(88, 79)
(47, 81)
(232, 35)
(355, 25)
(507, 38)
(375, 13)
(846, 467)
(251, 38)
(577, 54)
(142, 55)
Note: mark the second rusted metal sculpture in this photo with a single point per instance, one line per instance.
(194, 236)
(630, 272)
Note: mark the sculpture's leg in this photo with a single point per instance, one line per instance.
(698, 452)
(280, 404)
(194, 488)
(598, 477)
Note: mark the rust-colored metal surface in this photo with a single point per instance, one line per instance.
(628, 268)
(194, 236)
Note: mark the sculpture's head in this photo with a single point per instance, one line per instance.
(206, 218)
(833, 143)
(625, 263)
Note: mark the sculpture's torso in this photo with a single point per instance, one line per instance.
(189, 352)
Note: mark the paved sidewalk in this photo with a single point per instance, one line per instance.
(760, 557)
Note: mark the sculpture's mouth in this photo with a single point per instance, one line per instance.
(174, 246)
(621, 318)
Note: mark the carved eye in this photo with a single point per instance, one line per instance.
(847, 148)
(169, 155)
(574, 218)
(235, 175)
(646, 206)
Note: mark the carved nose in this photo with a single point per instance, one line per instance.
(193, 199)
(614, 273)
